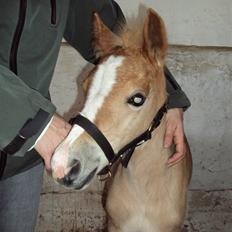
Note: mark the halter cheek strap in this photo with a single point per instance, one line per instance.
(96, 134)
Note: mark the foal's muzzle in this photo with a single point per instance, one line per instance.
(69, 178)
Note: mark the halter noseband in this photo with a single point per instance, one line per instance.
(124, 153)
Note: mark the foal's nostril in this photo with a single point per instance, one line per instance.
(67, 181)
(72, 175)
(75, 168)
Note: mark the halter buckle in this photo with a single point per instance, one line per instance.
(149, 132)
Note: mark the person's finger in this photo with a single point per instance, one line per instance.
(176, 158)
(169, 134)
(179, 146)
(47, 164)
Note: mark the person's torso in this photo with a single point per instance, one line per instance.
(30, 35)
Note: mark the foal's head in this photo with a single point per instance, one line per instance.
(124, 92)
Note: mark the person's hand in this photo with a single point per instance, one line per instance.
(175, 133)
(55, 134)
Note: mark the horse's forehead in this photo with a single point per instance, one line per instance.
(118, 72)
(124, 64)
(102, 84)
(123, 71)
(107, 72)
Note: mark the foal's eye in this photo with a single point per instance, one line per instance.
(137, 99)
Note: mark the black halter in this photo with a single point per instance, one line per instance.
(126, 152)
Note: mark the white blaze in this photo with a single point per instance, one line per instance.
(102, 84)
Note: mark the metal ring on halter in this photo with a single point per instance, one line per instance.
(150, 127)
(105, 176)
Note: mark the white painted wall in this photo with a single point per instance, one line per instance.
(191, 22)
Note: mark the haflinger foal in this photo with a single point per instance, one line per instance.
(122, 124)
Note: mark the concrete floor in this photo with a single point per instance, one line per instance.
(69, 211)
(209, 211)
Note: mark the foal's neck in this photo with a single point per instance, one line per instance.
(149, 162)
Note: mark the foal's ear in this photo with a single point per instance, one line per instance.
(154, 37)
(104, 39)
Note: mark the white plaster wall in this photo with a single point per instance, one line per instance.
(191, 22)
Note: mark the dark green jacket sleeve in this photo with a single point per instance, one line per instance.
(18, 103)
(78, 34)
(176, 96)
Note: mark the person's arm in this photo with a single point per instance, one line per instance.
(55, 134)
(176, 96)
(177, 103)
(79, 33)
(24, 114)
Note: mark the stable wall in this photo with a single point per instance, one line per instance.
(191, 22)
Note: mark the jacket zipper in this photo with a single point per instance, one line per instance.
(53, 12)
(13, 62)
(17, 36)
(3, 159)
(14, 53)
